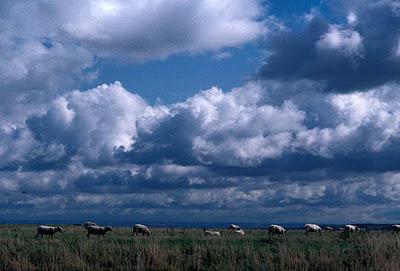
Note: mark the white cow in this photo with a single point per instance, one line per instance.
(276, 229)
(312, 228)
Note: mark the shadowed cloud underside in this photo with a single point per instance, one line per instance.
(312, 135)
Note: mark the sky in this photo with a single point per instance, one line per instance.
(200, 111)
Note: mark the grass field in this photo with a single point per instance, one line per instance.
(71, 250)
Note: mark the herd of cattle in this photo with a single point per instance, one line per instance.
(93, 229)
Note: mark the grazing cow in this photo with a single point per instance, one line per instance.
(96, 230)
(329, 229)
(234, 227)
(142, 229)
(211, 233)
(276, 229)
(395, 228)
(88, 223)
(312, 228)
(351, 228)
(47, 230)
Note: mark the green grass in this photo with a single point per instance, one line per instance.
(119, 250)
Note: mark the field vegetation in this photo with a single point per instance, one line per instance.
(166, 250)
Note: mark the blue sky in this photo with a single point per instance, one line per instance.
(179, 77)
(179, 110)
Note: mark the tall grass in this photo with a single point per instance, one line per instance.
(119, 250)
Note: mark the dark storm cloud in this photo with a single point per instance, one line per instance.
(359, 54)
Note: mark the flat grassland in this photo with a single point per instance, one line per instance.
(119, 250)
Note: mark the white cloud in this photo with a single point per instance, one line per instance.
(143, 30)
(222, 55)
(234, 128)
(346, 41)
(16, 145)
(49, 47)
(37, 63)
(107, 149)
(352, 18)
(240, 128)
(221, 198)
(374, 114)
(91, 123)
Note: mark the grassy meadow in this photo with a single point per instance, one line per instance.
(119, 250)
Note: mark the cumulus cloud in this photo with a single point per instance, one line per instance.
(347, 41)
(92, 123)
(37, 63)
(352, 18)
(354, 55)
(327, 140)
(138, 30)
(263, 145)
(213, 127)
(143, 30)
(48, 48)
(240, 128)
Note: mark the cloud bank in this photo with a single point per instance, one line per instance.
(215, 151)
(48, 48)
(314, 137)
